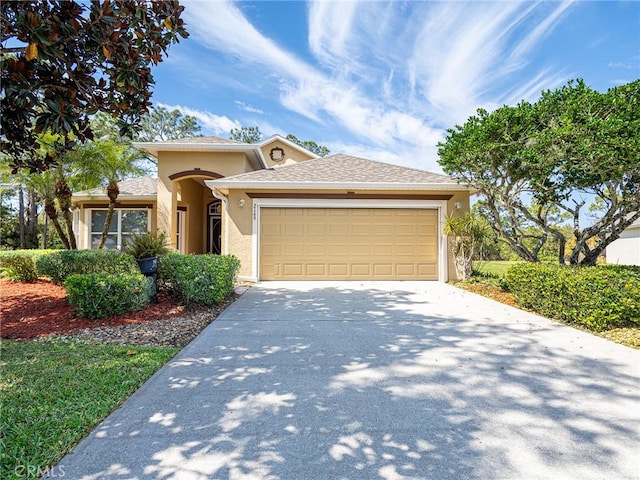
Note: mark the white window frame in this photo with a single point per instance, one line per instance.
(439, 205)
(118, 213)
(181, 233)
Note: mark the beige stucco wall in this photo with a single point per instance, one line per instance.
(238, 232)
(170, 163)
(291, 155)
(463, 198)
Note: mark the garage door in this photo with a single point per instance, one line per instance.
(348, 244)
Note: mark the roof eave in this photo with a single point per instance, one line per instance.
(154, 148)
(338, 185)
(146, 198)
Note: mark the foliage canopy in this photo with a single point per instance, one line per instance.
(538, 164)
(78, 59)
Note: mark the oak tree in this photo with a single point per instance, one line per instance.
(536, 164)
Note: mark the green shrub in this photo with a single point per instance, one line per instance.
(106, 295)
(60, 264)
(20, 265)
(201, 279)
(600, 297)
(147, 244)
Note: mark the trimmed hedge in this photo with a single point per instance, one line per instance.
(106, 295)
(599, 297)
(20, 265)
(201, 279)
(62, 263)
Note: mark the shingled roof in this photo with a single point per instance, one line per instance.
(337, 169)
(133, 187)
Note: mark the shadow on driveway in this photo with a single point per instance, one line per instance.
(385, 380)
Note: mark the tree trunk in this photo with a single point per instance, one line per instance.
(107, 222)
(44, 231)
(63, 194)
(112, 192)
(21, 216)
(32, 220)
(562, 243)
(52, 213)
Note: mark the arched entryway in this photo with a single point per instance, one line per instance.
(197, 217)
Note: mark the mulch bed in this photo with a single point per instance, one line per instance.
(491, 292)
(38, 309)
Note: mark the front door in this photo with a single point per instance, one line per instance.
(214, 230)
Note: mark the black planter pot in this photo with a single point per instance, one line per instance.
(148, 265)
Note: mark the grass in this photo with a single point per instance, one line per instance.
(492, 268)
(53, 392)
(486, 281)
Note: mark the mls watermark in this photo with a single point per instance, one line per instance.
(36, 471)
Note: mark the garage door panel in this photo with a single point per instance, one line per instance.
(316, 250)
(360, 270)
(338, 250)
(361, 250)
(339, 230)
(292, 269)
(292, 250)
(425, 230)
(406, 270)
(427, 269)
(338, 269)
(270, 229)
(383, 270)
(361, 229)
(317, 230)
(342, 243)
(316, 270)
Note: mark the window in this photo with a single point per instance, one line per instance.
(124, 224)
(180, 229)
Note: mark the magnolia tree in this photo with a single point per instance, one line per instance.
(75, 59)
(539, 164)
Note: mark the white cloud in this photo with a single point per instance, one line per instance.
(390, 74)
(217, 124)
(330, 28)
(541, 30)
(247, 108)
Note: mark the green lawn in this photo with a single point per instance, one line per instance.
(54, 392)
(492, 268)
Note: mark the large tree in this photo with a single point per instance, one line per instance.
(536, 164)
(76, 59)
(246, 134)
(161, 124)
(310, 145)
(254, 135)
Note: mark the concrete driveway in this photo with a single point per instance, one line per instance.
(366, 380)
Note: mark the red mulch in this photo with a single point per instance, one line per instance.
(29, 310)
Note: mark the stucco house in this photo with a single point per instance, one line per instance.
(626, 249)
(284, 212)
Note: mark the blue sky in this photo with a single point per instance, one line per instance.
(384, 80)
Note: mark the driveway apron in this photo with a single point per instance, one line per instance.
(367, 380)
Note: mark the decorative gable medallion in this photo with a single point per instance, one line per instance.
(276, 154)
